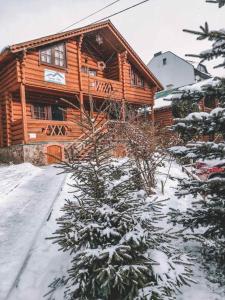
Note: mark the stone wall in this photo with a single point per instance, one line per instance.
(33, 153)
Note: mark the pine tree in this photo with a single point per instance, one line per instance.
(118, 250)
(208, 212)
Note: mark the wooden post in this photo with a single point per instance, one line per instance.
(123, 111)
(123, 60)
(7, 118)
(152, 115)
(79, 44)
(23, 98)
(24, 112)
(81, 105)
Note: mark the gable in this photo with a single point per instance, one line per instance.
(111, 34)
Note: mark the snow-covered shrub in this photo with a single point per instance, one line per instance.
(111, 229)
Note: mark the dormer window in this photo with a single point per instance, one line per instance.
(54, 55)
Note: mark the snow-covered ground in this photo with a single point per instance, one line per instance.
(25, 210)
(26, 197)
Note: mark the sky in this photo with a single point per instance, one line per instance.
(149, 28)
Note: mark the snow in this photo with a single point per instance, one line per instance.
(27, 193)
(197, 116)
(45, 262)
(162, 102)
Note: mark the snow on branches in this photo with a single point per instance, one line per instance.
(112, 231)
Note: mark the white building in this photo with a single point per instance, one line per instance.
(173, 71)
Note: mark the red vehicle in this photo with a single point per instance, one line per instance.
(206, 171)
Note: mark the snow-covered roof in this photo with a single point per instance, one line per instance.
(162, 102)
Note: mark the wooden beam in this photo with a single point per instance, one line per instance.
(79, 45)
(24, 112)
(23, 96)
(81, 105)
(123, 60)
(123, 111)
(7, 113)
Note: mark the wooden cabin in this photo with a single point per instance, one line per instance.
(36, 75)
(163, 115)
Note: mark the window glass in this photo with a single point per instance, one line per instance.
(58, 113)
(136, 78)
(54, 55)
(39, 112)
(86, 70)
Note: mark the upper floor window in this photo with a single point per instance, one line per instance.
(136, 78)
(89, 71)
(54, 55)
(164, 61)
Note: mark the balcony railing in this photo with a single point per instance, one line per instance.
(48, 130)
(102, 87)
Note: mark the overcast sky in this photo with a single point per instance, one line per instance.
(154, 26)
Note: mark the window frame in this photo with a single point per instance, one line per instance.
(53, 57)
(48, 112)
(134, 72)
(87, 70)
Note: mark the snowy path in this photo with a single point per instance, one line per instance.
(46, 262)
(26, 196)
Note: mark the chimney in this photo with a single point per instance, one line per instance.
(158, 53)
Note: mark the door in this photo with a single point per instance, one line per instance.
(54, 154)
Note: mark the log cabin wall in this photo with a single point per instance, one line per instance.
(8, 82)
(139, 95)
(112, 68)
(163, 117)
(34, 70)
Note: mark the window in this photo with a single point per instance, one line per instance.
(86, 70)
(54, 55)
(136, 78)
(58, 113)
(48, 112)
(40, 112)
(164, 61)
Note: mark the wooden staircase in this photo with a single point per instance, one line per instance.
(80, 150)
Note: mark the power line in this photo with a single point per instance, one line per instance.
(121, 11)
(92, 14)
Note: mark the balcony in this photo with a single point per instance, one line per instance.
(48, 130)
(102, 87)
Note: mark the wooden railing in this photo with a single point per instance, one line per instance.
(102, 87)
(48, 130)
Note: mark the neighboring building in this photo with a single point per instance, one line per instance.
(163, 115)
(173, 71)
(94, 60)
(162, 112)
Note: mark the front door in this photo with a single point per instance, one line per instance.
(54, 154)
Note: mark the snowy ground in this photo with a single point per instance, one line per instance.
(26, 196)
(25, 226)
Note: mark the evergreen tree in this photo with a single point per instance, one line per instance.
(208, 212)
(118, 250)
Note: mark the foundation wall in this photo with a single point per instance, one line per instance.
(33, 153)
